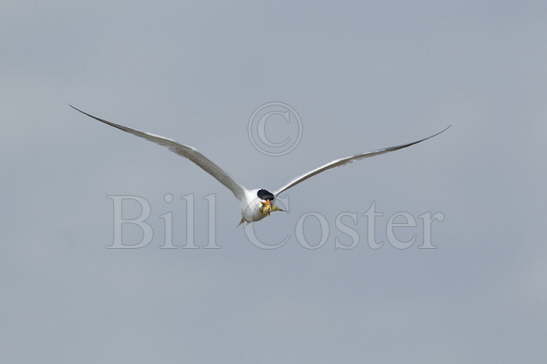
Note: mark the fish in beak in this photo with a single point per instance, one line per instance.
(268, 207)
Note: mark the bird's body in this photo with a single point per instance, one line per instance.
(251, 207)
(258, 203)
(255, 207)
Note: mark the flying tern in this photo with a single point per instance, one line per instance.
(256, 203)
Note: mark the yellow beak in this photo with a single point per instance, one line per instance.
(268, 207)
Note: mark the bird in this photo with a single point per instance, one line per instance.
(256, 203)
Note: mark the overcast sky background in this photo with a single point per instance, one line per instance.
(362, 75)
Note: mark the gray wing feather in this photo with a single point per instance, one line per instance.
(183, 150)
(349, 159)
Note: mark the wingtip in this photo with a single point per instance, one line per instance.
(441, 131)
(81, 111)
(74, 108)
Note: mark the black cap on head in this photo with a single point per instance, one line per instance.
(265, 195)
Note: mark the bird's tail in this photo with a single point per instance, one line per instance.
(240, 222)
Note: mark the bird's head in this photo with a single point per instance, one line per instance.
(266, 202)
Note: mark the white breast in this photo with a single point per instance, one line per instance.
(250, 208)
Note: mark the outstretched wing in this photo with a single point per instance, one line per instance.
(349, 159)
(184, 150)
